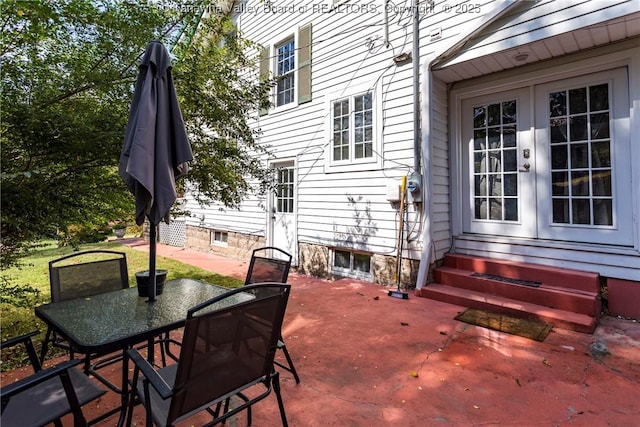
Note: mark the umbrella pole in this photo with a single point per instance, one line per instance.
(152, 263)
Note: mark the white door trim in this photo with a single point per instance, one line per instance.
(282, 230)
(534, 94)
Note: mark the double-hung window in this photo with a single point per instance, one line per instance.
(289, 61)
(286, 64)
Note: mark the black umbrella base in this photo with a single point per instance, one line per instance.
(142, 279)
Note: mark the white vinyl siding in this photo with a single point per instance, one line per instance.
(344, 205)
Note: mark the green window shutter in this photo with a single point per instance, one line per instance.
(264, 73)
(304, 64)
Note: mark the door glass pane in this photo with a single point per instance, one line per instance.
(509, 136)
(579, 183)
(578, 100)
(558, 104)
(495, 161)
(561, 211)
(509, 112)
(560, 183)
(493, 118)
(284, 194)
(599, 97)
(496, 209)
(495, 185)
(601, 183)
(480, 139)
(479, 117)
(602, 211)
(511, 209)
(559, 156)
(580, 211)
(480, 208)
(511, 184)
(578, 128)
(600, 126)
(480, 185)
(558, 130)
(510, 163)
(600, 154)
(581, 158)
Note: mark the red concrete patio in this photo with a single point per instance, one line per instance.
(366, 359)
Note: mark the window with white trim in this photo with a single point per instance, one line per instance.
(286, 63)
(353, 129)
(351, 264)
(289, 60)
(352, 135)
(219, 237)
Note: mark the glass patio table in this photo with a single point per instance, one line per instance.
(118, 320)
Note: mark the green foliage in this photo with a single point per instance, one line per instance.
(74, 235)
(228, 156)
(68, 73)
(17, 295)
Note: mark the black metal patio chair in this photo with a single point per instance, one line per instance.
(47, 395)
(82, 275)
(227, 350)
(271, 264)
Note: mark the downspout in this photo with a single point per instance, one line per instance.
(417, 140)
(427, 137)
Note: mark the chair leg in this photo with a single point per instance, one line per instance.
(275, 381)
(45, 346)
(291, 368)
(132, 396)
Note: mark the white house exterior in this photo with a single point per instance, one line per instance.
(520, 137)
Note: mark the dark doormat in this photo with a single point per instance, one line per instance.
(531, 329)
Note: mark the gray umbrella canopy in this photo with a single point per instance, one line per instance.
(156, 150)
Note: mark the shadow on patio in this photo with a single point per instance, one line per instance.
(366, 359)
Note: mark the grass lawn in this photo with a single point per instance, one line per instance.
(17, 316)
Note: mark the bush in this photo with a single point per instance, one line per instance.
(17, 295)
(75, 235)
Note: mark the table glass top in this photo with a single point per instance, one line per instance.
(122, 315)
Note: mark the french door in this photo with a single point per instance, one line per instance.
(550, 161)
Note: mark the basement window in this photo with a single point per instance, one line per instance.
(351, 264)
(219, 237)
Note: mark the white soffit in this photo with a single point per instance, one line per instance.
(539, 32)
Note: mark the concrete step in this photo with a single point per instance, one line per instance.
(567, 299)
(558, 318)
(552, 276)
(539, 293)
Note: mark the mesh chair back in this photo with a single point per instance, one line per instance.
(269, 264)
(225, 350)
(87, 273)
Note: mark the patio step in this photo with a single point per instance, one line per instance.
(567, 299)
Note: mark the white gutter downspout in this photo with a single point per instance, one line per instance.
(469, 31)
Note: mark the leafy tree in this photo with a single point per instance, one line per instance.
(68, 73)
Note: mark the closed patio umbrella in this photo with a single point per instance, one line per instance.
(156, 150)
